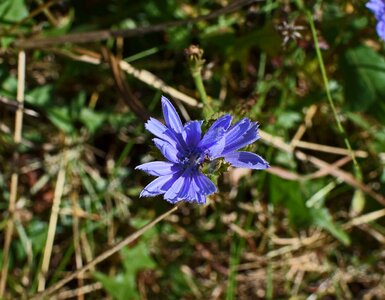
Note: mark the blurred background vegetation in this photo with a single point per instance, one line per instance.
(310, 227)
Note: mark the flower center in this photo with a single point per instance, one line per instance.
(192, 159)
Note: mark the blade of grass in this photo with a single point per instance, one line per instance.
(236, 250)
(142, 54)
(357, 169)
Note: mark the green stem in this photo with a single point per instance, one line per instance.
(196, 74)
(357, 169)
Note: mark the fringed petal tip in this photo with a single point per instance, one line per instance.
(199, 200)
(244, 159)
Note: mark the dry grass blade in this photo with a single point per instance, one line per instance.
(80, 291)
(15, 105)
(129, 98)
(140, 74)
(283, 173)
(303, 127)
(328, 149)
(76, 241)
(17, 138)
(365, 219)
(157, 83)
(53, 222)
(345, 176)
(322, 172)
(323, 166)
(104, 255)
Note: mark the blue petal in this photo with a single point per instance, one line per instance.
(159, 186)
(203, 185)
(171, 117)
(194, 196)
(161, 131)
(192, 133)
(241, 134)
(159, 168)
(243, 159)
(191, 187)
(380, 28)
(201, 199)
(180, 188)
(223, 121)
(212, 137)
(168, 151)
(213, 141)
(377, 7)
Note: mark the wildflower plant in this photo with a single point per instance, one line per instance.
(180, 177)
(378, 9)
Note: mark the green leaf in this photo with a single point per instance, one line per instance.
(363, 72)
(11, 11)
(123, 285)
(61, 117)
(40, 96)
(288, 193)
(137, 258)
(287, 119)
(322, 218)
(119, 287)
(63, 27)
(9, 85)
(91, 119)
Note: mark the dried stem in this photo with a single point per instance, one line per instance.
(15, 175)
(52, 222)
(76, 241)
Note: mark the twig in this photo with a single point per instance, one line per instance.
(328, 149)
(15, 175)
(51, 18)
(104, 255)
(15, 105)
(302, 128)
(140, 74)
(127, 95)
(86, 37)
(157, 83)
(41, 8)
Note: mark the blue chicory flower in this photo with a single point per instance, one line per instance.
(378, 9)
(180, 177)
